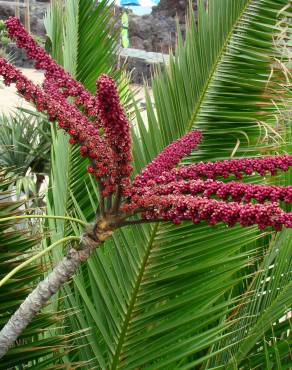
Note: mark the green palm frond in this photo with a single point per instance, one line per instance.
(160, 297)
(25, 143)
(83, 39)
(88, 42)
(38, 345)
(262, 325)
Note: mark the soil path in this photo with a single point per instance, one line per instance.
(9, 100)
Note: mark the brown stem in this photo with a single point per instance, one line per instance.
(109, 203)
(137, 222)
(117, 202)
(101, 202)
(40, 296)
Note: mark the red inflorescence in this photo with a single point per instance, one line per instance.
(168, 158)
(68, 116)
(160, 191)
(236, 167)
(115, 124)
(61, 78)
(177, 208)
(238, 192)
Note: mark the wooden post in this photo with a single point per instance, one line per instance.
(17, 13)
(27, 16)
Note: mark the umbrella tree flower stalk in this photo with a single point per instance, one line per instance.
(149, 197)
(117, 132)
(53, 71)
(236, 191)
(226, 168)
(169, 158)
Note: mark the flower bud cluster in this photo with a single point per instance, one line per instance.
(61, 78)
(177, 208)
(70, 119)
(169, 157)
(226, 168)
(238, 192)
(116, 125)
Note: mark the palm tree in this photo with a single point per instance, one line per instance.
(160, 296)
(25, 142)
(38, 345)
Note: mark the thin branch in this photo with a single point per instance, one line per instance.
(109, 203)
(40, 296)
(101, 201)
(138, 222)
(118, 198)
(35, 257)
(12, 218)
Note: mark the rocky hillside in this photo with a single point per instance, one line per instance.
(153, 32)
(37, 11)
(157, 31)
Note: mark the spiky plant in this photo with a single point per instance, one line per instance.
(38, 345)
(25, 143)
(161, 192)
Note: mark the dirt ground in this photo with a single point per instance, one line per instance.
(9, 100)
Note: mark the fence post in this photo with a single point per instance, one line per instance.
(17, 13)
(27, 16)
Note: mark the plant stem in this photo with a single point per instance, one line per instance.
(101, 201)
(40, 296)
(137, 222)
(38, 255)
(117, 200)
(12, 218)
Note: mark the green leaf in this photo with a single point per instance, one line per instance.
(162, 296)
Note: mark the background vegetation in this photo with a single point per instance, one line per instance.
(165, 296)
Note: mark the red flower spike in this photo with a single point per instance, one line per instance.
(72, 141)
(116, 125)
(177, 208)
(58, 108)
(238, 192)
(62, 79)
(160, 191)
(226, 168)
(169, 157)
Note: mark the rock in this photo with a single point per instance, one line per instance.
(173, 8)
(37, 12)
(18, 55)
(141, 64)
(6, 11)
(137, 43)
(158, 29)
(157, 33)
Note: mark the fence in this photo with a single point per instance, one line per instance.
(20, 5)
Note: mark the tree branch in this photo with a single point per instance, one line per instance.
(142, 221)
(118, 199)
(40, 296)
(36, 256)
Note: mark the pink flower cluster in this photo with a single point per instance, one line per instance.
(169, 157)
(177, 208)
(110, 156)
(160, 191)
(238, 192)
(61, 78)
(115, 124)
(226, 168)
(70, 119)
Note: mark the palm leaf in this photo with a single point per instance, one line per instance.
(81, 30)
(37, 345)
(158, 296)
